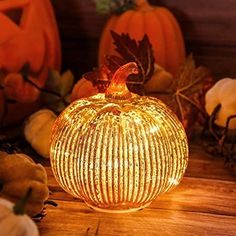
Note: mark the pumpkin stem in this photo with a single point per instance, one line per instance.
(141, 3)
(19, 208)
(114, 6)
(117, 88)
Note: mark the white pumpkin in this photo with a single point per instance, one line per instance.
(224, 93)
(12, 224)
(38, 131)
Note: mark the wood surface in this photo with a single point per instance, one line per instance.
(209, 30)
(203, 204)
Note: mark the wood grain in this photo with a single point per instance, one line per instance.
(203, 204)
(208, 26)
(74, 219)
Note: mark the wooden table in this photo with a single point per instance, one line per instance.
(203, 204)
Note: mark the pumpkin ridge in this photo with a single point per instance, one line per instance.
(180, 39)
(87, 157)
(124, 18)
(121, 26)
(95, 143)
(103, 185)
(155, 32)
(83, 139)
(136, 26)
(172, 51)
(147, 149)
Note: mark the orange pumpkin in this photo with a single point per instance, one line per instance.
(16, 80)
(83, 89)
(160, 26)
(28, 35)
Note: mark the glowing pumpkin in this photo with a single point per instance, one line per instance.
(28, 35)
(118, 151)
(158, 23)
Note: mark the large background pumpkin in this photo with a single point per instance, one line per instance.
(158, 23)
(28, 35)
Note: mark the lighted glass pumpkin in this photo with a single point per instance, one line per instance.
(28, 35)
(118, 151)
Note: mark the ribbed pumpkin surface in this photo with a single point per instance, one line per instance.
(118, 156)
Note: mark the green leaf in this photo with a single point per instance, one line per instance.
(67, 81)
(103, 6)
(57, 89)
(114, 6)
(60, 83)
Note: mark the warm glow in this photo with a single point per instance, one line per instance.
(118, 154)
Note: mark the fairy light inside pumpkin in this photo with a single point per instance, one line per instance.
(118, 151)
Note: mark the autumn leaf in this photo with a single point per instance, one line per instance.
(140, 52)
(188, 85)
(130, 50)
(114, 62)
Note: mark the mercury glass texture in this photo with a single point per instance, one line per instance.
(118, 156)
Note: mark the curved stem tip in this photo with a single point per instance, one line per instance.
(117, 88)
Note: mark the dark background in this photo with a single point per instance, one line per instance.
(209, 28)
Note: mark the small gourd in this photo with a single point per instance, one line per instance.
(223, 93)
(13, 220)
(38, 131)
(18, 173)
(17, 89)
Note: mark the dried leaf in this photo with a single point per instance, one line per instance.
(130, 50)
(140, 52)
(114, 62)
(100, 77)
(185, 98)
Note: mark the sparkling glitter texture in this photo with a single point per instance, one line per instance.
(118, 151)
